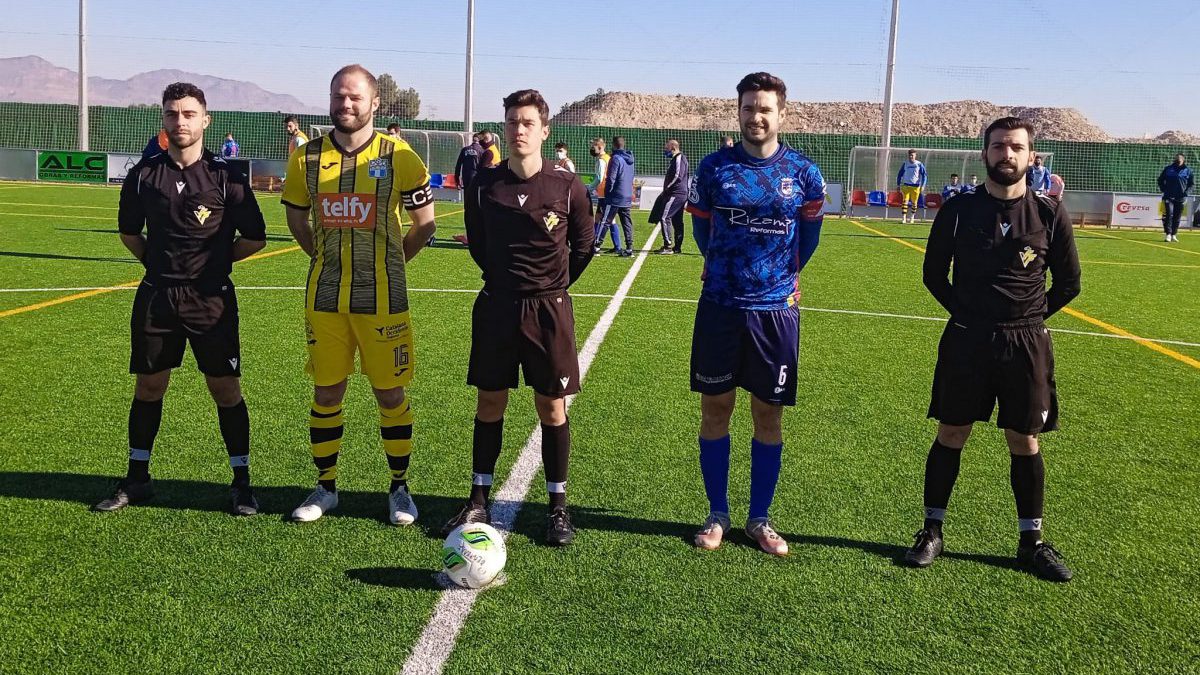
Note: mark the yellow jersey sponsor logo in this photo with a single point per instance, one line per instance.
(346, 209)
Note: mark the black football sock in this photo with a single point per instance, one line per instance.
(1027, 473)
(556, 455)
(144, 420)
(941, 470)
(234, 421)
(485, 451)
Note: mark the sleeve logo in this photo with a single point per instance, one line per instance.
(346, 209)
(693, 191)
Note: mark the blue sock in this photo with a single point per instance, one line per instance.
(714, 466)
(765, 462)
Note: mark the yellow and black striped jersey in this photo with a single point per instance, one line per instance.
(354, 201)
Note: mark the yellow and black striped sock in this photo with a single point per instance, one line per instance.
(395, 427)
(325, 426)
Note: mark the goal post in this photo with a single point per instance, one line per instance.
(874, 169)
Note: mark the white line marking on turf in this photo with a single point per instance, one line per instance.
(644, 298)
(437, 640)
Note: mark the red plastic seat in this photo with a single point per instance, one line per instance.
(933, 201)
(895, 199)
(858, 198)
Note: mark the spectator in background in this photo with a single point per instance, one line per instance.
(393, 130)
(296, 138)
(952, 189)
(911, 180)
(971, 185)
(618, 195)
(1174, 182)
(1038, 176)
(726, 142)
(596, 188)
(157, 144)
(230, 148)
(1056, 187)
(491, 153)
(561, 159)
(668, 208)
(469, 159)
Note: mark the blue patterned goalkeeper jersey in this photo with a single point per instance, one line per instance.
(757, 222)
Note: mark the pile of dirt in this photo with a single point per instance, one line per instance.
(952, 118)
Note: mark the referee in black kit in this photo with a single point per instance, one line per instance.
(193, 207)
(1002, 240)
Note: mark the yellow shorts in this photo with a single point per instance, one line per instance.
(384, 343)
(910, 194)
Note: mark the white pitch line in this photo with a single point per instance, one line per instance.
(437, 641)
(644, 298)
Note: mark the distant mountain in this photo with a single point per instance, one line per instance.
(32, 79)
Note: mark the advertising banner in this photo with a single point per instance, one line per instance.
(119, 165)
(78, 167)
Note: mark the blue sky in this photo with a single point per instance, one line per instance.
(1130, 67)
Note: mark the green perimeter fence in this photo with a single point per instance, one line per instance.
(1109, 167)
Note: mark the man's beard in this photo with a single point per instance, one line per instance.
(356, 123)
(1001, 177)
(191, 140)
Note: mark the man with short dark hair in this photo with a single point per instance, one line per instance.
(757, 215)
(726, 142)
(951, 189)
(1175, 181)
(529, 224)
(911, 180)
(343, 194)
(200, 217)
(668, 207)
(562, 158)
(1038, 177)
(1001, 240)
(296, 138)
(618, 194)
(393, 130)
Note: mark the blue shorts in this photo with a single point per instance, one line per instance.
(757, 350)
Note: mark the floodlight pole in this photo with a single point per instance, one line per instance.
(885, 159)
(468, 104)
(83, 92)
(891, 76)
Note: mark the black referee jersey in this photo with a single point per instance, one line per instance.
(1001, 251)
(191, 217)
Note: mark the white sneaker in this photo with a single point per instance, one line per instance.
(1167, 238)
(402, 510)
(320, 501)
(1175, 237)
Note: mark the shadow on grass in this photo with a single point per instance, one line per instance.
(190, 495)
(412, 578)
(57, 256)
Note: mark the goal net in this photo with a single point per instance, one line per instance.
(874, 170)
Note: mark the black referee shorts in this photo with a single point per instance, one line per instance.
(1010, 363)
(166, 318)
(536, 335)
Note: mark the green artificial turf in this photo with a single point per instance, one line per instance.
(178, 585)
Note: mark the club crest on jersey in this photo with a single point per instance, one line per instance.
(551, 220)
(1027, 256)
(787, 187)
(378, 168)
(202, 214)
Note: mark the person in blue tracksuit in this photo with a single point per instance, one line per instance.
(1174, 182)
(1038, 176)
(668, 208)
(618, 193)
